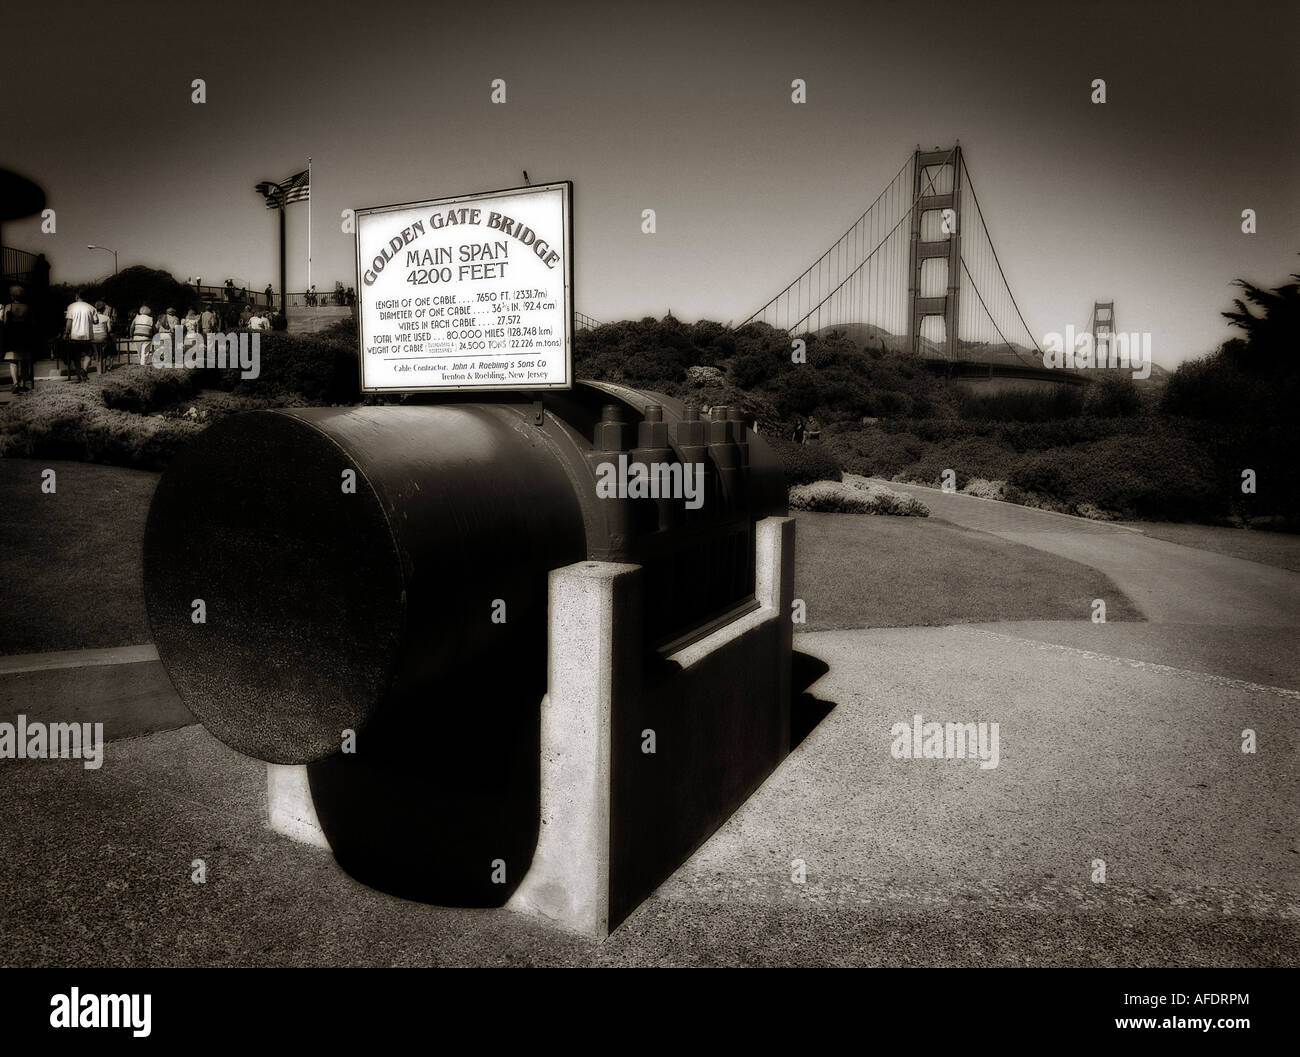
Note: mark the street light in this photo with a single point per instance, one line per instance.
(107, 250)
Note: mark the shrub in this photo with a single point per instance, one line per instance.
(1041, 436)
(1022, 405)
(805, 463)
(322, 370)
(143, 390)
(1043, 474)
(887, 500)
(982, 489)
(63, 424)
(975, 457)
(1112, 396)
(874, 452)
(751, 369)
(1162, 475)
(343, 331)
(854, 497)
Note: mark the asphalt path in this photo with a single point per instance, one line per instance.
(1119, 743)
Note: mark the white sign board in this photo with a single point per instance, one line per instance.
(473, 292)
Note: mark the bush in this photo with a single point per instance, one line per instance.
(983, 489)
(805, 463)
(1163, 475)
(343, 331)
(855, 496)
(752, 369)
(61, 423)
(1043, 474)
(1112, 396)
(1023, 405)
(320, 369)
(968, 457)
(873, 452)
(1042, 436)
(143, 390)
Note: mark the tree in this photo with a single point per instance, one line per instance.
(138, 285)
(1273, 335)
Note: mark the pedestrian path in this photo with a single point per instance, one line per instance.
(1169, 582)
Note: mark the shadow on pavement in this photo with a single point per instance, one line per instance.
(806, 711)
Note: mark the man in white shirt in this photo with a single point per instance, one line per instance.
(258, 321)
(79, 326)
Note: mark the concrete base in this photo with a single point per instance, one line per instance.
(641, 759)
(289, 807)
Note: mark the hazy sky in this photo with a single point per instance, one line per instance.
(683, 108)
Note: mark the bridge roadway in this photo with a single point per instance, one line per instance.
(975, 370)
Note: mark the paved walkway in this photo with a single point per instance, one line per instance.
(908, 862)
(1117, 742)
(1170, 583)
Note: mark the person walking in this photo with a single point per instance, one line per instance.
(19, 340)
(79, 330)
(142, 328)
(101, 334)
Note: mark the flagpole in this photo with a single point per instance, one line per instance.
(283, 306)
(308, 222)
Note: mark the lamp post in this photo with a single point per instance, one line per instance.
(107, 250)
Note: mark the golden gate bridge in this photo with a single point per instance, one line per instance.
(917, 271)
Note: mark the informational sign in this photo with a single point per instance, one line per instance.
(473, 292)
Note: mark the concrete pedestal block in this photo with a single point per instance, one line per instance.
(640, 766)
(641, 758)
(289, 806)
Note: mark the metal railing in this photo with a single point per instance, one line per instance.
(240, 295)
(235, 295)
(320, 299)
(20, 266)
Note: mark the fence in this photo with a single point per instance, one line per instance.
(20, 266)
(240, 295)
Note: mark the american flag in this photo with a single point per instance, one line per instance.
(295, 189)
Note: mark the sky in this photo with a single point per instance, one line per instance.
(684, 108)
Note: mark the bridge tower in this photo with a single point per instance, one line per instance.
(928, 174)
(1103, 330)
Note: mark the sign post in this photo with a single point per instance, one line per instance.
(467, 293)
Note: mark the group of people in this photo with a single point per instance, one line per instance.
(341, 296)
(236, 294)
(88, 333)
(144, 327)
(88, 329)
(87, 336)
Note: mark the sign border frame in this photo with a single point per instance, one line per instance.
(564, 185)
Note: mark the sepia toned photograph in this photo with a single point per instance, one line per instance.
(664, 485)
